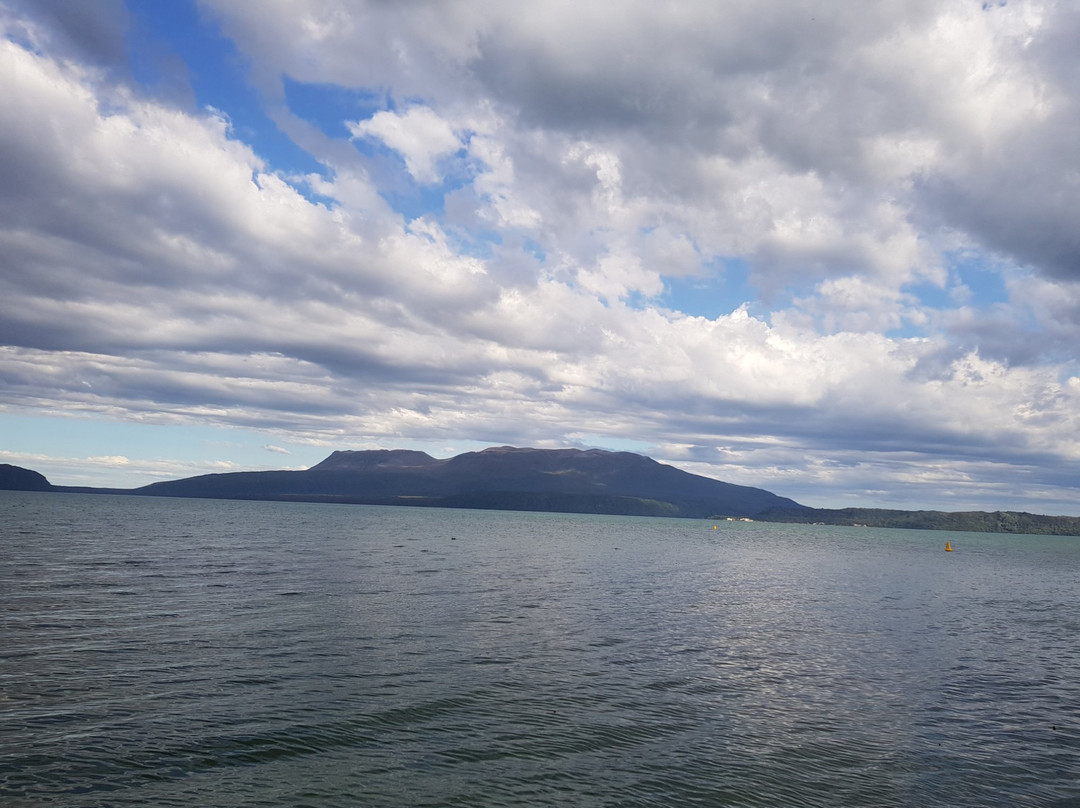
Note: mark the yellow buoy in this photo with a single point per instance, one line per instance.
(714, 527)
(948, 547)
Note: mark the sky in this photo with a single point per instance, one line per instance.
(831, 250)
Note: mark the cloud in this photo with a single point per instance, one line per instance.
(418, 134)
(276, 449)
(88, 33)
(106, 471)
(574, 163)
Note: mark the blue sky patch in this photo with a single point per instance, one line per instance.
(168, 36)
(331, 107)
(723, 289)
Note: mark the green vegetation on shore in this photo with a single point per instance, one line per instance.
(972, 521)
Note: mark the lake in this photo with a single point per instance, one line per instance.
(174, 652)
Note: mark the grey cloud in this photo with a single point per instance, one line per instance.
(1020, 203)
(88, 31)
(1015, 191)
(681, 72)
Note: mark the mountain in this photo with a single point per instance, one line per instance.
(561, 480)
(16, 478)
(505, 477)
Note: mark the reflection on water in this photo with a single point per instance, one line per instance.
(193, 653)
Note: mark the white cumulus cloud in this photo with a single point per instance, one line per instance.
(418, 134)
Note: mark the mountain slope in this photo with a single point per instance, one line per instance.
(16, 478)
(570, 480)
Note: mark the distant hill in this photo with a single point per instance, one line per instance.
(977, 521)
(560, 480)
(16, 478)
(505, 478)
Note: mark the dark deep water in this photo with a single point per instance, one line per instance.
(198, 653)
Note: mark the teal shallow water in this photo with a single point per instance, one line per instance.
(198, 653)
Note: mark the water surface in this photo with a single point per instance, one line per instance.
(198, 653)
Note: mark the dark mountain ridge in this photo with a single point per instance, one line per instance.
(16, 478)
(504, 477)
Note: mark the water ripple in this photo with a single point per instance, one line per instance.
(244, 654)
